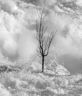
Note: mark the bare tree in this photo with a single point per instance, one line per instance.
(44, 38)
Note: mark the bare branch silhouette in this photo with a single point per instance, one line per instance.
(43, 39)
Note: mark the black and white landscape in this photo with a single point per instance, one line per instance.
(40, 47)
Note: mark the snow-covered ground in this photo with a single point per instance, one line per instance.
(34, 83)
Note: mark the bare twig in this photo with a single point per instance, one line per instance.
(44, 41)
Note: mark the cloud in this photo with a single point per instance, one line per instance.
(7, 32)
(27, 44)
(71, 43)
(8, 5)
(15, 37)
(79, 3)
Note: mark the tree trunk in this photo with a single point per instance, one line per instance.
(42, 63)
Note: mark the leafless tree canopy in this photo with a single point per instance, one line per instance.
(43, 37)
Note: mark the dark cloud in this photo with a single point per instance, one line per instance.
(73, 64)
(35, 2)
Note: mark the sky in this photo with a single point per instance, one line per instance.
(18, 35)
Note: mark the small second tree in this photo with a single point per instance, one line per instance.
(44, 38)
